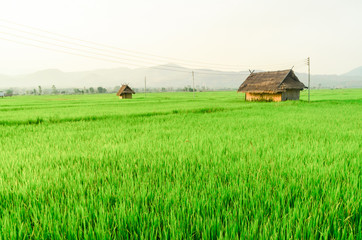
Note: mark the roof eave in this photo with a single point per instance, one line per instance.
(262, 91)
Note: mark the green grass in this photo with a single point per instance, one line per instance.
(170, 166)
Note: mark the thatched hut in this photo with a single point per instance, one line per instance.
(272, 86)
(125, 92)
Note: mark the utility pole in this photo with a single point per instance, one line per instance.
(193, 83)
(308, 62)
(145, 86)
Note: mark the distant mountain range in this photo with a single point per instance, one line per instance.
(157, 78)
(354, 72)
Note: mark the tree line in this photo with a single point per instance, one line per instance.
(91, 90)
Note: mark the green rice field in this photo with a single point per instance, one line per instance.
(170, 166)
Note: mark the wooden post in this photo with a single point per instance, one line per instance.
(308, 79)
(193, 83)
(145, 86)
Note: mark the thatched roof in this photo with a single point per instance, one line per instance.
(271, 82)
(125, 89)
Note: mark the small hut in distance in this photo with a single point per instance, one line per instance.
(272, 86)
(125, 92)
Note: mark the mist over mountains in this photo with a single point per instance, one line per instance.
(158, 78)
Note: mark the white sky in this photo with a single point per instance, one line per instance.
(259, 34)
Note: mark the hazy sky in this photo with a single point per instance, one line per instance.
(257, 34)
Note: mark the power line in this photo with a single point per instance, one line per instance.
(187, 62)
(109, 46)
(72, 48)
(176, 68)
(82, 55)
(94, 48)
(100, 58)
